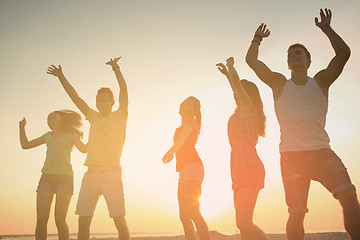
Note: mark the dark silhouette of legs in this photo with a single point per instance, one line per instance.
(351, 212)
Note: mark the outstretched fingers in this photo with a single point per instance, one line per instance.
(325, 18)
(53, 70)
(262, 31)
(113, 61)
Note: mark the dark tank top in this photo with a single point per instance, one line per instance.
(187, 152)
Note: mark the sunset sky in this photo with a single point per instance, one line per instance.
(169, 50)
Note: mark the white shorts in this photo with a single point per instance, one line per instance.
(192, 172)
(97, 182)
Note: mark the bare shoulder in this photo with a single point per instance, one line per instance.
(320, 79)
(278, 84)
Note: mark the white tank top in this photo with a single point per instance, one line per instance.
(301, 113)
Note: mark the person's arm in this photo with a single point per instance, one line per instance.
(123, 95)
(236, 84)
(80, 145)
(342, 52)
(79, 102)
(272, 79)
(25, 143)
(185, 133)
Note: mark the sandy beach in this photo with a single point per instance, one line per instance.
(218, 236)
(213, 236)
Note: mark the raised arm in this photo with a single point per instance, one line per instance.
(235, 83)
(80, 103)
(123, 95)
(185, 133)
(25, 143)
(342, 52)
(272, 79)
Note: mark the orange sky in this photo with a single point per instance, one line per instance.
(169, 50)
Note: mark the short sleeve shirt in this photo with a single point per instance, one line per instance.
(58, 153)
(106, 138)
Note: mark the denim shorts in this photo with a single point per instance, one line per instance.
(56, 183)
(192, 172)
(299, 168)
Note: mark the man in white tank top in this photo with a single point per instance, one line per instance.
(301, 105)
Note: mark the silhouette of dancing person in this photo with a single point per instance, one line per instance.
(57, 176)
(301, 105)
(106, 141)
(247, 171)
(190, 168)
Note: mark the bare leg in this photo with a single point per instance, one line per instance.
(61, 209)
(121, 226)
(201, 226)
(351, 212)
(189, 194)
(185, 217)
(84, 228)
(295, 227)
(43, 206)
(245, 200)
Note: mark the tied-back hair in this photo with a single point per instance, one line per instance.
(71, 121)
(254, 95)
(197, 113)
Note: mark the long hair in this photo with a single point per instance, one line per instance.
(197, 112)
(70, 121)
(254, 95)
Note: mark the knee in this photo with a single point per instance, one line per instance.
(120, 222)
(348, 198)
(243, 224)
(296, 219)
(84, 222)
(42, 220)
(60, 222)
(185, 216)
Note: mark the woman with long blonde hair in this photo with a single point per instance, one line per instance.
(247, 171)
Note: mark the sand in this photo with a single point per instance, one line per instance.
(218, 236)
(213, 236)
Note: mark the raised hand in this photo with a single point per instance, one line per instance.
(325, 18)
(262, 32)
(56, 71)
(222, 69)
(230, 62)
(22, 123)
(113, 62)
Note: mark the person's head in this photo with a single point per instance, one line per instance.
(66, 120)
(190, 109)
(254, 94)
(298, 56)
(104, 100)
